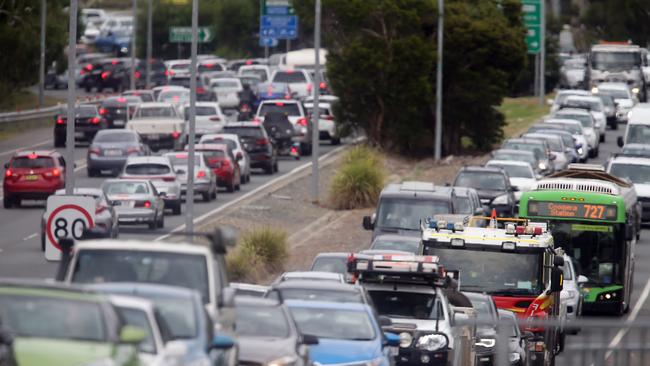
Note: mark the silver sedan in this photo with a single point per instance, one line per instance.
(135, 202)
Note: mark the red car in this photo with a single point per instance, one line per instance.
(223, 163)
(32, 175)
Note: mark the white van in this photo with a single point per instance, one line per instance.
(638, 126)
(302, 59)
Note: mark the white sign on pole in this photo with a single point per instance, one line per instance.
(66, 217)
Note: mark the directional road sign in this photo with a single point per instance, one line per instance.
(184, 34)
(279, 26)
(66, 217)
(532, 10)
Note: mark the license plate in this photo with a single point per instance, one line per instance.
(78, 134)
(113, 152)
(153, 137)
(118, 122)
(31, 177)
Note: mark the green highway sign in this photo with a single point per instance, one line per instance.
(184, 34)
(532, 10)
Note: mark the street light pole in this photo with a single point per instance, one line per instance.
(542, 54)
(70, 125)
(189, 195)
(149, 45)
(133, 34)
(315, 115)
(441, 19)
(41, 71)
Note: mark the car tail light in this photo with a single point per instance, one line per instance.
(94, 150)
(121, 100)
(114, 62)
(137, 74)
(249, 62)
(32, 156)
(262, 141)
(95, 120)
(176, 134)
(302, 122)
(215, 118)
(100, 209)
(89, 67)
(309, 87)
(105, 74)
(279, 104)
(103, 111)
(8, 173)
(169, 179)
(200, 89)
(328, 117)
(54, 173)
(169, 73)
(60, 121)
(287, 96)
(257, 120)
(322, 85)
(200, 174)
(145, 204)
(133, 150)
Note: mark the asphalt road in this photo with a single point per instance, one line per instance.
(20, 253)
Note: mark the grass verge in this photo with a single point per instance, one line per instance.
(25, 100)
(8, 130)
(520, 113)
(259, 253)
(359, 180)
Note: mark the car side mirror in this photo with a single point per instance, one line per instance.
(162, 194)
(131, 335)
(309, 340)
(384, 321)
(557, 279)
(367, 223)
(392, 339)
(222, 342)
(582, 279)
(227, 297)
(620, 142)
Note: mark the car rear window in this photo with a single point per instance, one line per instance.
(181, 159)
(146, 97)
(224, 84)
(147, 169)
(290, 109)
(31, 163)
(116, 137)
(181, 67)
(289, 77)
(230, 143)
(255, 132)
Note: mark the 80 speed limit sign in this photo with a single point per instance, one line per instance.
(66, 217)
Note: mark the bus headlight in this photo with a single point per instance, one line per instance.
(405, 340)
(432, 342)
(635, 90)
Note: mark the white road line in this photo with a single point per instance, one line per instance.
(249, 194)
(635, 311)
(31, 236)
(25, 147)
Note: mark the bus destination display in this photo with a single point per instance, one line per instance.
(572, 210)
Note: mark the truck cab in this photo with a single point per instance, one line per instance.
(617, 62)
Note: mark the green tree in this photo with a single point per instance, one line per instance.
(619, 20)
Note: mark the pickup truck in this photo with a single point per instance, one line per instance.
(160, 126)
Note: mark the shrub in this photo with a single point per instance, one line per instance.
(359, 180)
(259, 253)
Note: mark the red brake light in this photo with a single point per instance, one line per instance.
(215, 118)
(209, 65)
(289, 71)
(175, 134)
(137, 74)
(249, 62)
(100, 209)
(105, 74)
(8, 173)
(302, 122)
(82, 71)
(200, 174)
(121, 100)
(279, 104)
(262, 141)
(60, 121)
(169, 73)
(287, 96)
(200, 90)
(169, 179)
(322, 85)
(181, 156)
(309, 87)
(147, 204)
(89, 67)
(53, 173)
(132, 150)
(95, 120)
(32, 156)
(114, 62)
(94, 150)
(103, 111)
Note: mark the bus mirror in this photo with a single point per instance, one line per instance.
(558, 261)
(557, 279)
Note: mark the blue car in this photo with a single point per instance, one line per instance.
(268, 91)
(117, 42)
(348, 333)
(183, 311)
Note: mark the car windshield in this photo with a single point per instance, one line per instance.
(584, 119)
(493, 272)
(463, 205)
(484, 309)
(615, 61)
(25, 162)
(516, 171)
(638, 134)
(179, 314)
(147, 169)
(481, 180)
(232, 145)
(146, 97)
(86, 111)
(554, 144)
(615, 93)
(289, 77)
(116, 136)
(636, 173)
(561, 97)
(536, 147)
(571, 128)
(174, 96)
(334, 323)
(139, 318)
(396, 244)
(210, 67)
(330, 264)
(411, 305)
(514, 156)
(149, 112)
(290, 109)
(261, 322)
(181, 66)
(637, 151)
(30, 315)
(250, 132)
(271, 88)
(321, 295)
(606, 99)
(125, 187)
(405, 213)
(166, 268)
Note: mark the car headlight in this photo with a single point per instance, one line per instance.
(570, 294)
(432, 342)
(635, 90)
(542, 166)
(597, 124)
(486, 342)
(283, 361)
(514, 357)
(405, 340)
(580, 150)
(501, 200)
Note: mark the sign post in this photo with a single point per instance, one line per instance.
(66, 217)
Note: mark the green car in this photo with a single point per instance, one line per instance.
(58, 325)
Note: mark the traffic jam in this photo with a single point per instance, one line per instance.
(498, 267)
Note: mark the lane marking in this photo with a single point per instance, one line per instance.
(249, 194)
(25, 147)
(30, 236)
(635, 311)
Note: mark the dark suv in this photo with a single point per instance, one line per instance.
(158, 76)
(87, 123)
(256, 143)
(118, 110)
(493, 187)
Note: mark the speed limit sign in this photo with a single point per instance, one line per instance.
(66, 217)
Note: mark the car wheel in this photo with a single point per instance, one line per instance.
(93, 172)
(269, 168)
(602, 138)
(7, 201)
(161, 221)
(336, 140)
(176, 210)
(205, 196)
(615, 125)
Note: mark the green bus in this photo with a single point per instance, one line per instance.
(596, 219)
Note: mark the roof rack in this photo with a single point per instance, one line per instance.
(588, 171)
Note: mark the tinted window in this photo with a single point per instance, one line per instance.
(200, 111)
(638, 134)
(406, 304)
(258, 321)
(224, 84)
(290, 109)
(116, 137)
(289, 77)
(181, 159)
(481, 181)
(28, 163)
(515, 156)
(516, 171)
(334, 323)
(210, 67)
(138, 318)
(251, 132)
(403, 213)
(584, 119)
(147, 169)
(125, 187)
(639, 174)
(155, 112)
(179, 314)
(463, 205)
(325, 264)
(86, 111)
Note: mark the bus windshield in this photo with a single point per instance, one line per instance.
(496, 273)
(598, 250)
(615, 60)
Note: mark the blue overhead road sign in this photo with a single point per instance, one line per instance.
(279, 26)
(268, 42)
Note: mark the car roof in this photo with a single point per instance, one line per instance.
(613, 86)
(316, 285)
(631, 160)
(51, 289)
(524, 140)
(486, 169)
(573, 92)
(156, 105)
(464, 191)
(327, 305)
(204, 146)
(637, 146)
(256, 301)
(130, 180)
(560, 121)
(285, 101)
(586, 98)
(312, 274)
(572, 111)
(417, 189)
(514, 151)
(249, 124)
(507, 162)
(148, 159)
(51, 153)
(141, 246)
(535, 135)
(332, 255)
(229, 136)
(81, 191)
(131, 302)
(144, 289)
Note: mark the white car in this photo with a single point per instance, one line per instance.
(262, 71)
(570, 295)
(205, 181)
(296, 114)
(235, 144)
(561, 96)
(521, 174)
(92, 16)
(637, 170)
(227, 91)
(595, 106)
(209, 118)
(178, 95)
(160, 125)
(177, 67)
(159, 170)
(575, 129)
(622, 96)
(299, 80)
(556, 145)
(113, 24)
(588, 127)
(327, 126)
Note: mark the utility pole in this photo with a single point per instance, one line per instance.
(41, 71)
(149, 45)
(133, 34)
(70, 125)
(441, 19)
(189, 196)
(315, 115)
(542, 55)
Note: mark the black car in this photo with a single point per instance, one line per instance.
(158, 76)
(256, 143)
(87, 122)
(117, 110)
(493, 187)
(267, 334)
(487, 317)
(115, 75)
(203, 93)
